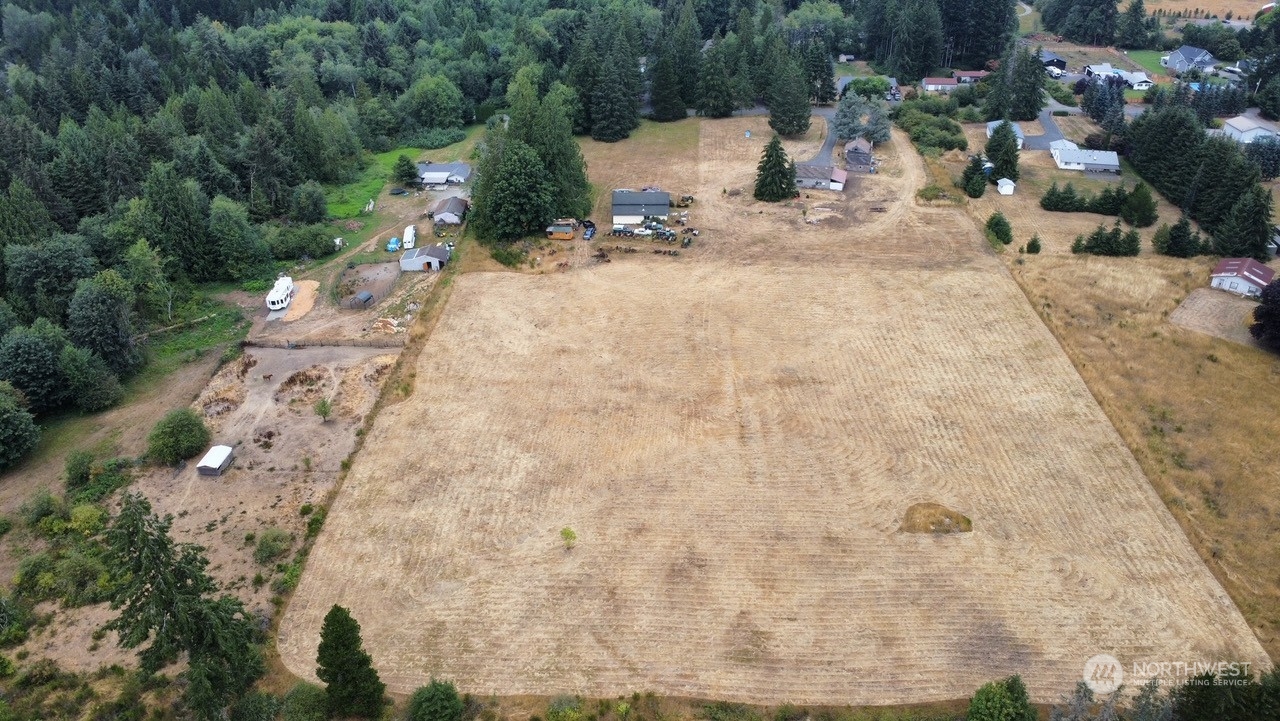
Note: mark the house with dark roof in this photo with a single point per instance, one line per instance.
(857, 156)
(631, 207)
(441, 173)
(450, 211)
(430, 257)
(1243, 276)
(816, 177)
(1187, 57)
(1053, 60)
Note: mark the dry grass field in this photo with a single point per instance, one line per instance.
(1217, 313)
(1192, 407)
(747, 442)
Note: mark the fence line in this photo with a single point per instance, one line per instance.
(398, 341)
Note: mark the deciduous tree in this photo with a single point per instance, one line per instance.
(19, 433)
(101, 320)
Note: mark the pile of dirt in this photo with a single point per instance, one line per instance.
(303, 301)
(243, 365)
(306, 386)
(222, 401)
(934, 518)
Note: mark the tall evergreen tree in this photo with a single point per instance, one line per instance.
(978, 30)
(1139, 207)
(1182, 243)
(19, 433)
(789, 103)
(561, 155)
(1247, 229)
(1002, 151)
(583, 75)
(354, 688)
(847, 123)
(1132, 31)
(686, 42)
(613, 108)
(101, 320)
(819, 72)
(183, 213)
(715, 89)
(775, 175)
(664, 88)
(1026, 80)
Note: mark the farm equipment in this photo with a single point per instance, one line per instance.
(686, 242)
(601, 256)
(684, 201)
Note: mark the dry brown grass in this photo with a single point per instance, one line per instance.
(1195, 409)
(934, 518)
(736, 436)
(1240, 10)
(1077, 127)
(1217, 313)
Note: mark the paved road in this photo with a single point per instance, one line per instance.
(1051, 130)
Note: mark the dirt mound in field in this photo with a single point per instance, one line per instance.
(304, 386)
(934, 518)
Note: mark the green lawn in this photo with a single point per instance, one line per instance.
(1029, 23)
(347, 200)
(1149, 60)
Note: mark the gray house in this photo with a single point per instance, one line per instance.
(817, 177)
(1187, 57)
(631, 207)
(450, 211)
(441, 173)
(857, 155)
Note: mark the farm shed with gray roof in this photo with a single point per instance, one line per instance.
(631, 207)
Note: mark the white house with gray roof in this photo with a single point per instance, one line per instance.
(1068, 156)
(631, 207)
(441, 173)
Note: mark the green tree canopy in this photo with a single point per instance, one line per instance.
(664, 87)
(789, 102)
(353, 687)
(1002, 151)
(1265, 329)
(776, 175)
(180, 435)
(101, 321)
(19, 433)
(437, 701)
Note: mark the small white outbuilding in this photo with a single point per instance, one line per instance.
(1005, 186)
(215, 461)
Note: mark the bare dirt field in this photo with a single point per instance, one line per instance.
(1217, 313)
(746, 441)
(285, 457)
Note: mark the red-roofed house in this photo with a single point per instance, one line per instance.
(1244, 276)
(967, 77)
(942, 85)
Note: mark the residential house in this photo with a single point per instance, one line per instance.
(1017, 131)
(857, 155)
(441, 173)
(1053, 60)
(1068, 156)
(450, 211)
(1136, 81)
(631, 207)
(968, 77)
(1243, 276)
(1186, 58)
(817, 177)
(1245, 130)
(941, 85)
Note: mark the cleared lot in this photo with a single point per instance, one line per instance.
(736, 439)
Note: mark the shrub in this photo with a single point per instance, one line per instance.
(178, 436)
(1033, 245)
(1062, 94)
(304, 702)
(436, 138)
(437, 701)
(507, 255)
(255, 706)
(998, 227)
(41, 506)
(77, 467)
(930, 192)
(316, 522)
(300, 242)
(272, 544)
(256, 285)
(565, 708)
(1061, 113)
(105, 480)
(6, 525)
(14, 619)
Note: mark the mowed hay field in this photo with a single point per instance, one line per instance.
(736, 436)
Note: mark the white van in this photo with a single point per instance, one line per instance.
(410, 235)
(281, 294)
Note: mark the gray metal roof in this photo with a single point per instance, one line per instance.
(632, 202)
(1017, 129)
(437, 251)
(1100, 158)
(461, 170)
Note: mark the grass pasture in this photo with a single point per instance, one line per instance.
(1149, 60)
(348, 200)
(736, 437)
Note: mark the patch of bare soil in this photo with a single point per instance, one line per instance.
(736, 436)
(376, 278)
(303, 300)
(934, 518)
(1217, 313)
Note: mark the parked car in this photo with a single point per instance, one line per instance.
(643, 231)
(399, 191)
(393, 245)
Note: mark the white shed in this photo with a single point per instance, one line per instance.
(215, 461)
(1005, 186)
